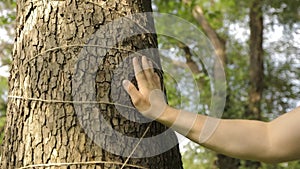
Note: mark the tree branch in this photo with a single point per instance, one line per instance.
(217, 42)
(192, 64)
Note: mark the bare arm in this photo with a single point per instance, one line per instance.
(275, 141)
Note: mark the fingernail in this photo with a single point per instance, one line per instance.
(135, 59)
(125, 84)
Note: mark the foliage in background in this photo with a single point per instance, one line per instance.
(7, 17)
(282, 63)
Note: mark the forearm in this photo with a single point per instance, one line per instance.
(237, 138)
(245, 139)
(186, 123)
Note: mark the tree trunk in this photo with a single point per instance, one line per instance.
(52, 65)
(256, 68)
(256, 60)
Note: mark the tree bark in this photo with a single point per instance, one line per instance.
(42, 124)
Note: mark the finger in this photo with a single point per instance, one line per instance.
(136, 66)
(139, 74)
(151, 66)
(157, 81)
(132, 91)
(147, 69)
(155, 76)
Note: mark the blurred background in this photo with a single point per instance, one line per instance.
(7, 25)
(277, 80)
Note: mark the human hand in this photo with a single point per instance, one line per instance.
(149, 100)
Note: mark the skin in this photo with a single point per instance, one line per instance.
(272, 142)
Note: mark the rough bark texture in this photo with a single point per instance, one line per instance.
(41, 132)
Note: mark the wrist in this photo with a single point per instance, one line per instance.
(168, 116)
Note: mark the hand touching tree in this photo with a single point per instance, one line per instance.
(149, 99)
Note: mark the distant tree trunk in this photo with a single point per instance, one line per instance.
(256, 60)
(40, 131)
(256, 68)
